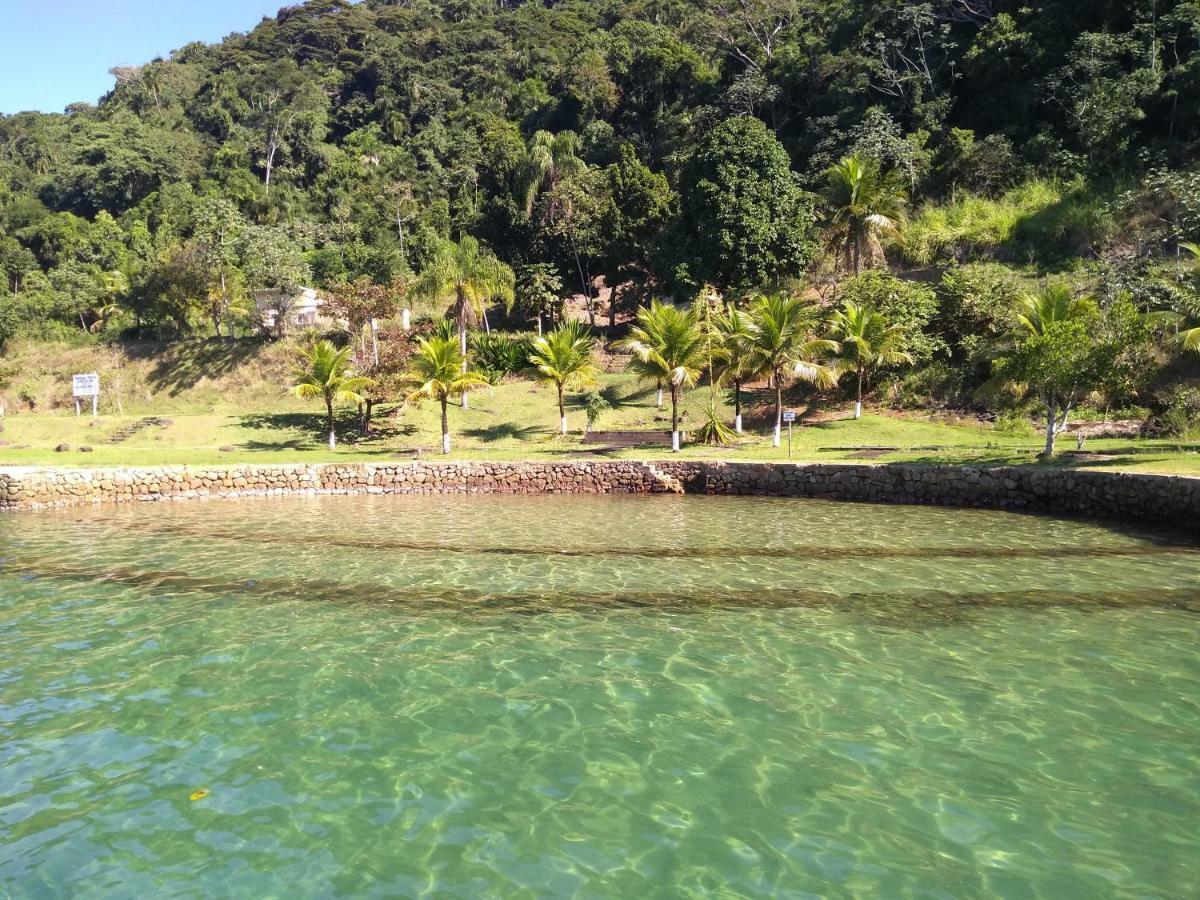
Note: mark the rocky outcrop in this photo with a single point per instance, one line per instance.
(1157, 498)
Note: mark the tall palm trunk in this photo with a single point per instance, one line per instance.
(674, 418)
(329, 421)
(445, 425)
(462, 338)
(777, 437)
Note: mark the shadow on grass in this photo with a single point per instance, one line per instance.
(502, 430)
(295, 444)
(186, 363)
(345, 424)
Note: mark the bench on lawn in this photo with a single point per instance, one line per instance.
(632, 438)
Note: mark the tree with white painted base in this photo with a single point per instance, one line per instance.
(868, 345)
(563, 357)
(1058, 354)
(734, 360)
(324, 373)
(437, 373)
(783, 344)
(667, 346)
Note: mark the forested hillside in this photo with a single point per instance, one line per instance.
(647, 146)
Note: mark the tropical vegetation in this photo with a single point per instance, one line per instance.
(862, 189)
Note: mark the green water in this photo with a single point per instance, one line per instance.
(595, 697)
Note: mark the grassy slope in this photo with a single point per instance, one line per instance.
(516, 420)
(218, 395)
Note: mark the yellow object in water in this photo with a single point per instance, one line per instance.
(200, 794)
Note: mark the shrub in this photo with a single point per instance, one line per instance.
(1181, 418)
(595, 405)
(909, 304)
(978, 306)
(930, 386)
(1015, 423)
(499, 355)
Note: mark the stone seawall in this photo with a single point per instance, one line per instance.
(1158, 498)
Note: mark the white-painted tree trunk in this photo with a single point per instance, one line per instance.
(445, 443)
(737, 423)
(659, 402)
(332, 440)
(562, 423)
(674, 441)
(405, 319)
(775, 439)
(858, 409)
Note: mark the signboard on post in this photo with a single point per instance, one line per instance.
(86, 385)
(789, 416)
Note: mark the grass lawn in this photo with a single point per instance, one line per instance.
(517, 420)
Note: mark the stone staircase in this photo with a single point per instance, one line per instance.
(125, 432)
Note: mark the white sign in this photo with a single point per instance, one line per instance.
(789, 415)
(85, 385)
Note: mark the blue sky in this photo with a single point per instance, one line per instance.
(56, 52)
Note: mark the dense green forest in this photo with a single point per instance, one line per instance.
(646, 146)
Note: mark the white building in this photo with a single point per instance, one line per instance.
(283, 311)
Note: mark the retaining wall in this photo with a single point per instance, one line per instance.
(1159, 498)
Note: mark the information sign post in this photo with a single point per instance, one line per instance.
(789, 416)
(83, 386)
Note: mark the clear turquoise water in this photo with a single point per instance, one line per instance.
(595, 697)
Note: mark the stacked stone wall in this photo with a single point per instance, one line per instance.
(1159, 498)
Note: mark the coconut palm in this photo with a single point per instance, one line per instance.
(1053, 303)
(1189, 328)
(667, 346)
(862, 203)
(324, 372)
(564, 358)
(548, 160)
(437, 373)
(783, 343)
(868, 345)
(470, 276)
(734, 360)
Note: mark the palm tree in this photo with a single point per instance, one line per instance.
(734, 360)
(783, 342)
(324, 373)
(862, 202)
(549, 159)
(1053, 303)
(667, 346)
(1188, 334)
(436, 370)
(564, 358)
(868, 344)
(470, 276)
